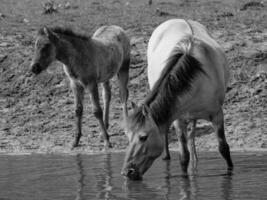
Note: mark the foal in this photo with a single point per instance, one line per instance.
(87, 61)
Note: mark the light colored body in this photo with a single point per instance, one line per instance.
(207, 95)
(210, 90)
(190, 88)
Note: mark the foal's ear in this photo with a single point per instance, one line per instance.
(51, 35)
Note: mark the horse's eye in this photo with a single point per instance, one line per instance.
(143, 138)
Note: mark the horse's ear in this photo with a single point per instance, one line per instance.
(51, 35)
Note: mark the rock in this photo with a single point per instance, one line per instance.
(252, 4)
(4, 44)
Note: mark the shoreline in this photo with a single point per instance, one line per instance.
(73, 153)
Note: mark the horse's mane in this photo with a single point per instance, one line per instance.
(176, 79)
(66, 32)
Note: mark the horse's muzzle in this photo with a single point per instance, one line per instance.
(132, 173)
(36, 68)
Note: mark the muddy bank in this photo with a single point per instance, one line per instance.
(37, 112)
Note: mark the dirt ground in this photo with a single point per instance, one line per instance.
(37, 112)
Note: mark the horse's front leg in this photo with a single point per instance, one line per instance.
(180, 128)
(78, 92)
(106, 94)
(93, 89)
(192, 147)
(166, 152)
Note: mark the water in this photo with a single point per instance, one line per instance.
(80, 177)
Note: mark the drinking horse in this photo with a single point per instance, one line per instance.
(87, 62)
(187, 74)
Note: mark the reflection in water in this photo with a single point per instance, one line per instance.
(165, 186)
(189, 187)
(227, 186)
(84, 177)
(81, 176)
(104, 179)
(167, 182)
(140, 190)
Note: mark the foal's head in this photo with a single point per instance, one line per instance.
(45, 50)
(145, 143)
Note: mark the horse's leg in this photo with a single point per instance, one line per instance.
(123, 77)
(93, 89)
(167, 152)
(180, 128)
(78, 92)
(218, 123)
(106, 94)
(191, 146)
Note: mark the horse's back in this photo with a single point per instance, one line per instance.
(164, 39)
(161, 43)
(192, 37)
(113, 35)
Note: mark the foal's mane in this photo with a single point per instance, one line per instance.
(67, 32)
(176, 79)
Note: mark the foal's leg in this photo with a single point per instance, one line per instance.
(218, 123)
(191, 146)
(123, 77)
(180, 127)
(78, 92)
(106, 94)
(93, 89)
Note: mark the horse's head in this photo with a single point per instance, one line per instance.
(44, 51)
(145, 143)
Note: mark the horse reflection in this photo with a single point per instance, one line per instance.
(188, 188)
(227, 186)
(81, 175)
(168, 186)
(104, 180)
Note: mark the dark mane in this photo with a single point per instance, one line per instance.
(66, 32)
(176, 79)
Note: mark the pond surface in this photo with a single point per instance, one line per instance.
(86, 177)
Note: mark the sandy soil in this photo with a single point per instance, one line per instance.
(37, 112)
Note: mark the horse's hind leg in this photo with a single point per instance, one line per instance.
(123, 77)
(93, 89)
(180, 127)
(78, 92)
(218, 123)
(106, 94)
(191, 146)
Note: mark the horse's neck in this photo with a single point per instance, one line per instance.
(64, 52)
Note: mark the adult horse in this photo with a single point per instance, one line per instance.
(188, 72)
(87, 62)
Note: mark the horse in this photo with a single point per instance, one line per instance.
(187, 73)
(87, 61)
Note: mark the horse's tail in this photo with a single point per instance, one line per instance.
(185, 46)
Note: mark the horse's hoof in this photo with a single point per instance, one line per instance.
(166, 158)
(73, 147)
